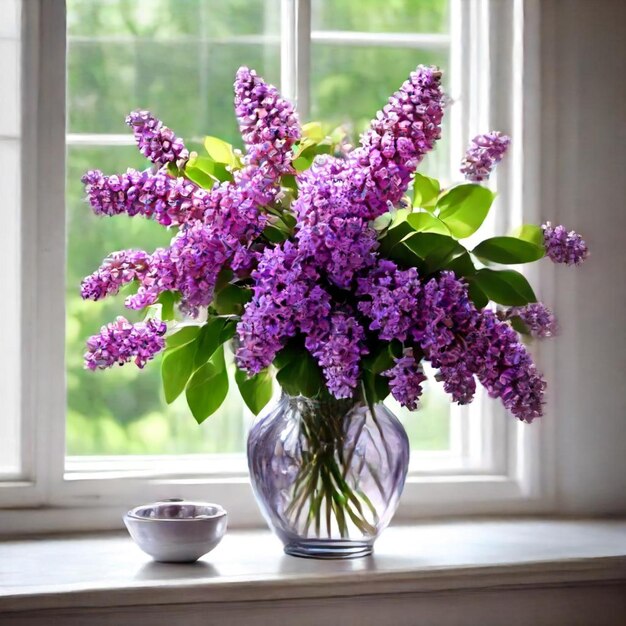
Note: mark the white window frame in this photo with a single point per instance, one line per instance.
(501, 467)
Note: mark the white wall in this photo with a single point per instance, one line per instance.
(583, 53)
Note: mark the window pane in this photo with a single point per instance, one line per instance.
(350, 83)
(9, 238)
(407, 16)
(178, 59)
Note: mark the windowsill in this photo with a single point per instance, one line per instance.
(88, 573)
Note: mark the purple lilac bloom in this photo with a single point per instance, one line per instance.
(120, 342)
(505, 368)
(393, 299)
(170, 201)
(563, 246)
(271, 317)
(398, 139)
(333, 227)
(117, 270)
(458, 381)
(338, 352)
(159, 276)
(406, 378)
(268, 124)
(190, 265)
(156, 141)
(484, 153)
(458, 339)
(537, 317)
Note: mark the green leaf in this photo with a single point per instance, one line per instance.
(301, 376)
(231, 299)
(476, 294)
(508, 250)
(376, 387)
(382, 222)
(275, 235)
(187, 334)
(167, 300)
(208, 387)
(464, 208)
(505, 287)
(209, 340)
(313, 131)
(529, 232)
(256, 391)
(220, 151)
(176, 368)
(425, 191)
(461, 264)
(379, 358)
(200, 177)
(304, 161)
(435, 250)
(425, 222)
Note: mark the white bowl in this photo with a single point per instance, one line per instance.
(177, 531)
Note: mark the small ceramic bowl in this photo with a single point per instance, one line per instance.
(177, 531)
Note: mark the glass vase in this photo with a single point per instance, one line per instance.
(327, 474)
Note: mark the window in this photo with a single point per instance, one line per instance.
(108, 437)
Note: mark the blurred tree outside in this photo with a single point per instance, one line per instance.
(178, 59)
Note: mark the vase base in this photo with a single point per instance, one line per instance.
(328, 549)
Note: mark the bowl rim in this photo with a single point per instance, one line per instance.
(220, 511)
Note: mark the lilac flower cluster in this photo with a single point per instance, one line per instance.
(338, 352)
(268, 124)
(170, 201)
(288, 299)
(118, 269)
(484, 153)
(563, 246)
(121, 342)
(156, 141)
(398, 139)
(393, 299)
(333, 226)
(217, 225)
(537, 317)
(458, 339)
(406, 378)
(281, 295)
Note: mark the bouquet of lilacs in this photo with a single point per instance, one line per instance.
(339, 271)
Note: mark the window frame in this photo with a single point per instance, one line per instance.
(505, 466)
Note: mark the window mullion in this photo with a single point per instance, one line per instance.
(295, 55)
(43, 236)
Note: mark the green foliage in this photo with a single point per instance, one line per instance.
(425, 222)
(529, 232)
(208, 387)
(231, 299)
(464, 208)
(185, 335)
(425, 192)
(220, 151)
(505, 287)
(188, 351)
(177, 366)
(508, 250)
(205, 171)
(298, 372)
(256, 390)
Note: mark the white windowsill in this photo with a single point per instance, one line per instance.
(98, 574)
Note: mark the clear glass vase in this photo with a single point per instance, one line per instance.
(327, 474)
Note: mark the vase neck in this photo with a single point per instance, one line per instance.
(326, 405)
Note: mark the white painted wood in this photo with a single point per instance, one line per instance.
(538, 571)
(583, 186)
